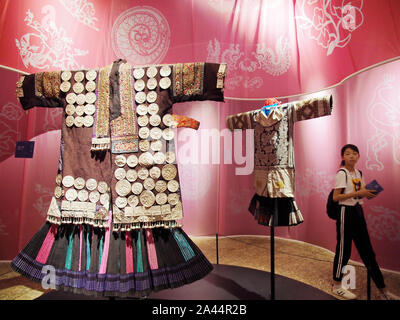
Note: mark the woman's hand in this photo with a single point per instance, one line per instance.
(366, 193)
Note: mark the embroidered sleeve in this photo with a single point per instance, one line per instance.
(198, 81)
(41, 89)
(312, 108)
(240, 121)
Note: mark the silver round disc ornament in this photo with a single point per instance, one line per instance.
(104, 199)
(144, 145)
(140, 97)
(70, 109)
(65, 86)
(120, 160)
(161, 198)
(131, 175)
(143, 173)
(156, 145)
(78, 122)
(138, 73)
(83, 195)
(91, 184)
(173, 199)
(78, 87)
(137, 188)
(58, 192)
(79, 110)
(68, 181)
(81, 99)
(89, 109)
(173, 185)
(132, 161)
(151, 97)
(153, 108)
(161, 186)
(156, 133)
(168, 120)
(71, 98)
(144, 132)
(139, 85)
(155, 120)
(165, 71)
(90, 86)
(168, 134)
(142, 109)
(151, 84)
(121, 202)
(94, 196)
(165, 83)
(102, 187)
(155, 172)
(79, 76)
(133, 200)
(120, 174)
(66, 75)
(71, 194)
(69, 121)
(91, 75)
(123, 188)
(151, 72)
(88, 121)
(79, 183)
(90, 97)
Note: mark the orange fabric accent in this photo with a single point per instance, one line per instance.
(186, 122)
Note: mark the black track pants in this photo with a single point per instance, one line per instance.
(351, 226)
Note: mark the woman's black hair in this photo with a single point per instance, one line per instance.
(348, 146)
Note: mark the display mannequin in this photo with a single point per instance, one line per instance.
(113, 225)
(274, 204)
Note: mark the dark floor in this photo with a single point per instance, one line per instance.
(302, 262)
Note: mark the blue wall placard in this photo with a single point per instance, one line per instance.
(24, 149)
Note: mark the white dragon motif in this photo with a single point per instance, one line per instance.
(48, 47)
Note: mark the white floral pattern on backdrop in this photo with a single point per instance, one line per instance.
(274, 62)
(48, 47)
(383, 115)
(83, 11)
(383, 223)
(141, 35)
(331, 26)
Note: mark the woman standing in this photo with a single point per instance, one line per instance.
(351, 225)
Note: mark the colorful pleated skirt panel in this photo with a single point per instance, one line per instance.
(102, 263)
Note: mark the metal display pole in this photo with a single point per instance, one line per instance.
(368, 285)
(216, 244)
(272, 245)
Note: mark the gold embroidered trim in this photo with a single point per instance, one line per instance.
(145, 225)
(124, 136)
(177, 78)
(102, 116)
(56, 83)
(188, 79)
(221, 75)
(20, 91)
(39, 84)
(199, 78)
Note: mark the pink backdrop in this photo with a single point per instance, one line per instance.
(272, 48)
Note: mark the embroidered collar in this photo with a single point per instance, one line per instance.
(273, 117)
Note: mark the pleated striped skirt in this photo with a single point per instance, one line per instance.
(98, 262)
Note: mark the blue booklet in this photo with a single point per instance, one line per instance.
(374, 185)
